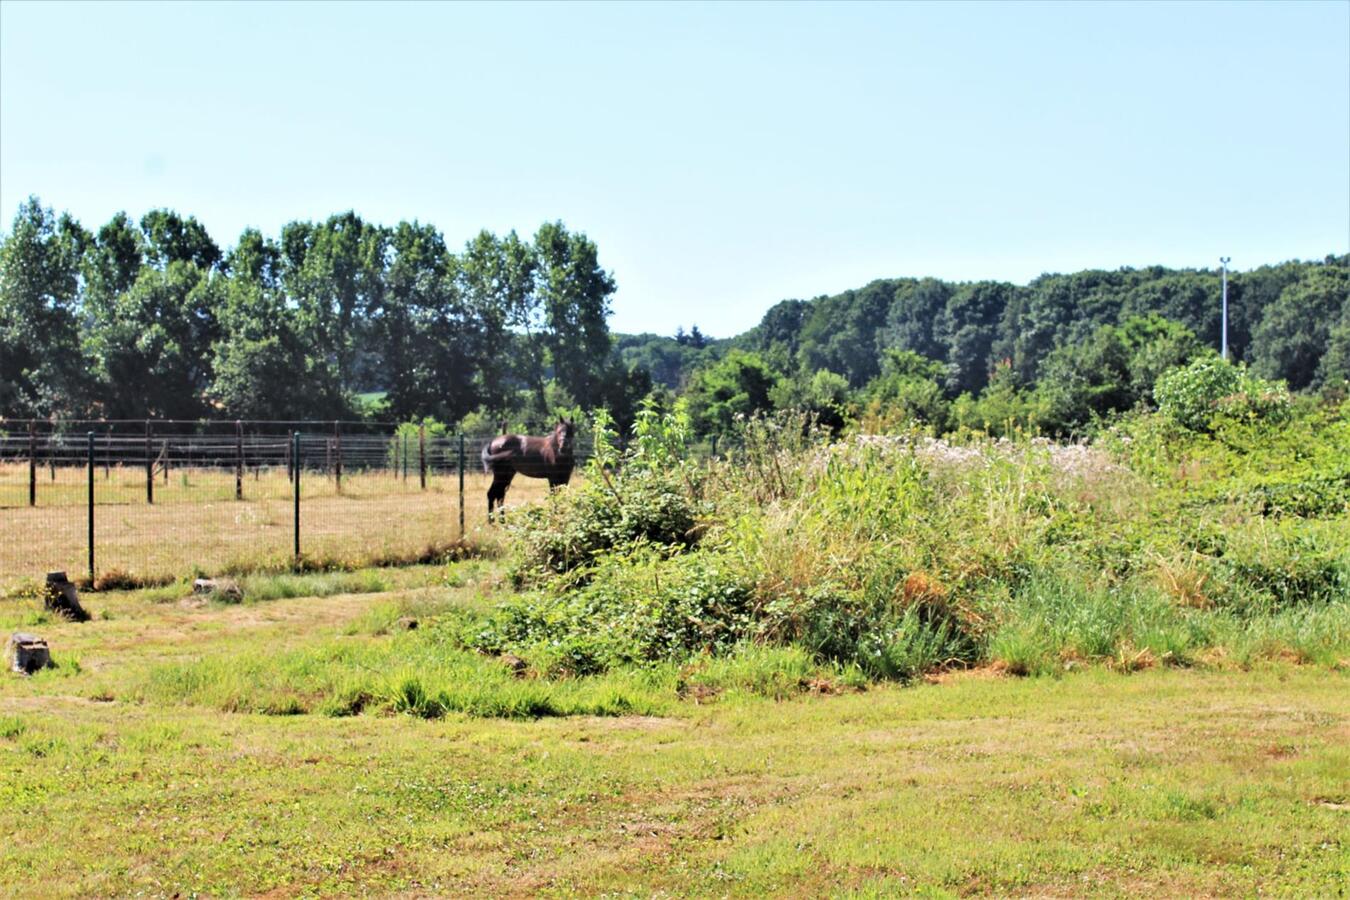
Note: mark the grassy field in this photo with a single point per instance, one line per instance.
(873, 665)
(196, 525)
(142, 764)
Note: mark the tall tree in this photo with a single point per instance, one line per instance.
(841, 333)
(574, 294)
(334, 271)
(496, 283)
(113, 261)
(1294, 332)
(911, 321)
(42, 367)
(171, 238)
(1335, 366)
(431, 344)
(966, 328)
(152, 346)
(261, 367)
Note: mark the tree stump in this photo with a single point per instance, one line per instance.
(61, 597)
(27, 653)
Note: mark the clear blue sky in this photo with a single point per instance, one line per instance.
(723, 157)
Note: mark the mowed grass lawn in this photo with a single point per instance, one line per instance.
(1195, 782)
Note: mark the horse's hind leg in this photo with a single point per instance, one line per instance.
(497, 491)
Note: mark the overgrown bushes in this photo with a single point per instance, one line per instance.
(649, 495)
(1193, 396)
(893, 556)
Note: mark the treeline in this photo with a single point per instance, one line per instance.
(153, 318)
(345, 318)
(1055, 354)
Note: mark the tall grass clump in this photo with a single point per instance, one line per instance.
(419, 673)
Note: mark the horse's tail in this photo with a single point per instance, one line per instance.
(489, 457)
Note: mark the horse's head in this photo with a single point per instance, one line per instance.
(564, 434)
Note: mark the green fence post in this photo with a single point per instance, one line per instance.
(32, 464)
(238, 460)
(295, 492)
(337, 457)
(91, 508)
(150, 466)
(461, 485)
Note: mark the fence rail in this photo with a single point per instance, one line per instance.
(164, 499)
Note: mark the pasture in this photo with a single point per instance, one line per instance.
(179, 738)
(196, 525)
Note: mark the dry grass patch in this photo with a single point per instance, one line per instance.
(377, 520)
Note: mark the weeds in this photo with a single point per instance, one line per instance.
(898, 555)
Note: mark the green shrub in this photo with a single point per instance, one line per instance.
(1305, 494)
(1192, 396)
(572, 528)
(648, 493)
(637, 606)
(1277, 565)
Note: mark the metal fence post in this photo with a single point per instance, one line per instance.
(461, 485)
(238, 460)
(32, 464)
(295, 492)
(150, 466)
(422, 454)
(337, 447)
(91, 508)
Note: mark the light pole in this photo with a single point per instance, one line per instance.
(1224, 327)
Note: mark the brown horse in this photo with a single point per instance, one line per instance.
(536, 457)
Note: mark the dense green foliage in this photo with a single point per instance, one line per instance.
(154, 318)
(1208, 390)
(1059, 354)
(897, 555)
(157, 320)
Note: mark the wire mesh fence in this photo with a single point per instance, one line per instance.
(158, 500)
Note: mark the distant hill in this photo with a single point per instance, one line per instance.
(1284, 319)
